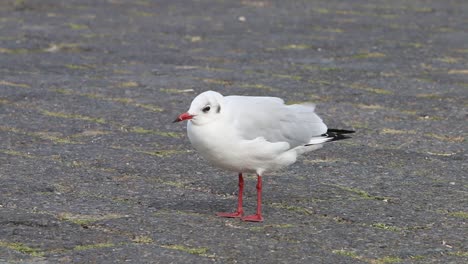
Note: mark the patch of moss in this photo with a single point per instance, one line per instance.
(455, 139)
(449, 60)
(387, 259)
(370, 89)
(458, 72)
(347, 253)
(55, 139)
(368, 55)
(386, 227)
(459, 214)
(321, 82)
(459, 254)
(360, 193)
(371, 107)
(16, 153)
(216, 81)
(73, 116)
(141, 130)
(397, 132)
(78, 67)
(84, 220)
(13, 51)
(287, 76)
(20, 85)
(20, 247)
(128, 84)
(77, 26)
(415, 45)
(200, 251)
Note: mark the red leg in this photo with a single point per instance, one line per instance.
(239, 211)
(258, 216)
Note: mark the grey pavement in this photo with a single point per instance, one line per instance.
(93, 171)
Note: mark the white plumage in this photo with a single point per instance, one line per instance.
(253, 134)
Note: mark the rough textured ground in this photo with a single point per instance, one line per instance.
(93, 171)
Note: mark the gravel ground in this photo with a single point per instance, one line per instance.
(93, 171)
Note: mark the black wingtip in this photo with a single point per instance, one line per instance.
(340, 131)
(337, 134)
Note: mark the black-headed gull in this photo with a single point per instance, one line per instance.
(249, 134)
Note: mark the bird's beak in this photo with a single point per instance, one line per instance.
(184, 116)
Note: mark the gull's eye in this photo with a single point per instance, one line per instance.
(206, 109)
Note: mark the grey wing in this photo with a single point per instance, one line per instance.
(270, 118)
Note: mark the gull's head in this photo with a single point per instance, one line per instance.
(205, 108)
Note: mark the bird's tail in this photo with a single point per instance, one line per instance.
(330, 135)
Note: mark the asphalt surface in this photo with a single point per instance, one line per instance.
(93, 171)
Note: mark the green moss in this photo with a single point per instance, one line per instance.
(129, 84)
(51, 137)
(287, 76)
(370, 89)
(459, 254)
(321, 82)
(77, 26)
(174, 183)
(459, 214)
(93, 246)
(13, 51)
(216, 81)
(360, 193)
(386, 227)
(201, 251)
(113, 99)
(19, 85)
(352, 254)
(322, 10)
(16, 153)
(73, 116)
(347, 253)
(78, 67)
(141, 130)
(368, 55)
(20, 247)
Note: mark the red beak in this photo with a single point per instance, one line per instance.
(184, 116)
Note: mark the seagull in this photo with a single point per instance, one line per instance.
(248, 134)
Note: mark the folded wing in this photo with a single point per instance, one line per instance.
(270, 118)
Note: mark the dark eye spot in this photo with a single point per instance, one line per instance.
(206, 109)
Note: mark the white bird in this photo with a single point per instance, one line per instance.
(247, 134)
